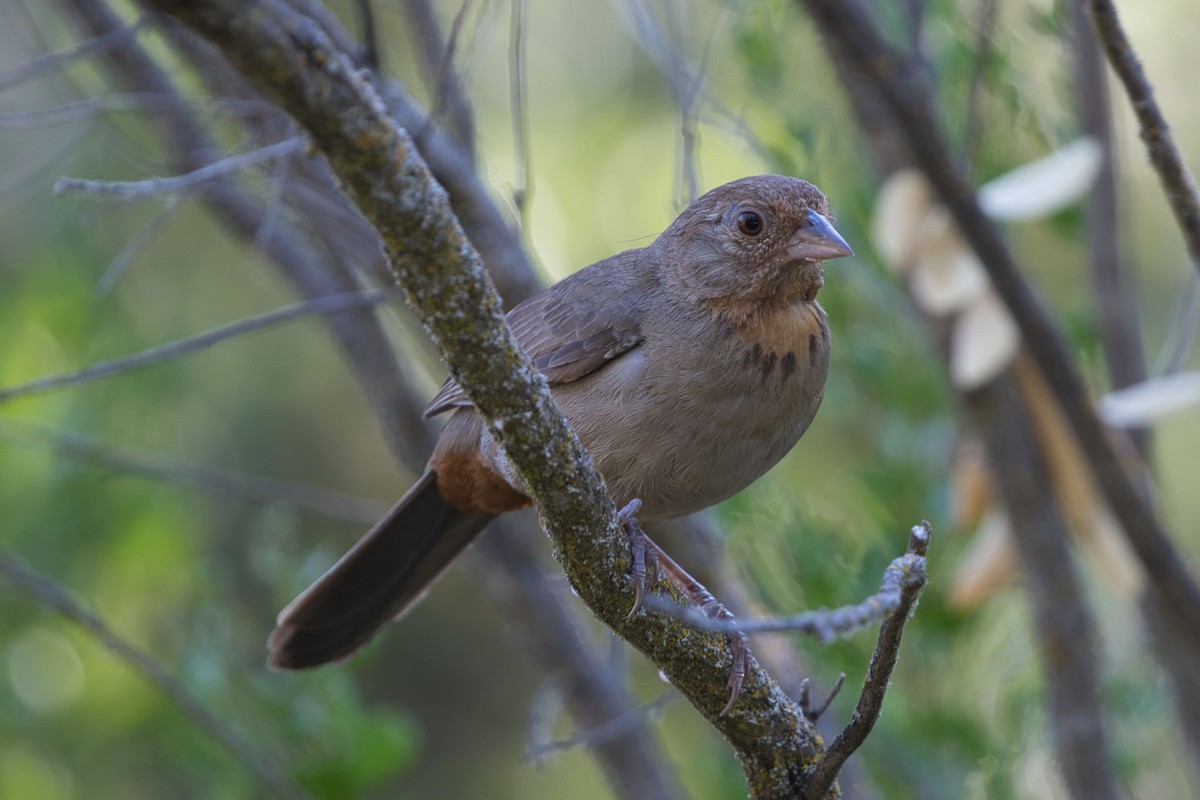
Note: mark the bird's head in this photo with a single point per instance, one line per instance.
(754, 240)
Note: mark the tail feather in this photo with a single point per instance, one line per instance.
(380, 578)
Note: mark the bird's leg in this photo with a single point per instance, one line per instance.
(648, 558)
(643, 552)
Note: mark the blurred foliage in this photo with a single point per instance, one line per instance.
(438, 706)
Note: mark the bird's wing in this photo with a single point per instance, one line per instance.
(577, 325)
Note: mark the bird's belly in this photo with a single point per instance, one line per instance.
(683, 445)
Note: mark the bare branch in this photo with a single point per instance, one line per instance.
(1112, 287)
(138, 243)
(322, 305)
(133, 191)
(359, 334)
(907, 96)
(633, 764)
(518, 85)
(50, 62)
(605, 732)
(1178, 182)
(1065, 629)
(49, 593)
(824, 625)
(168, 469)
(128, 101)
(441, 76)
(879, 673)
(593, 693)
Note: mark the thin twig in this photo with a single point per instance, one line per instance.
(824, 625)
(604, 732)
(370, 34)
(129, 101)
(104, 369)
(48, 62)
(1178, 182)
(518, 83)
(169, 469)
(49, 593)
(879, 673)
(137, 243)
(816, 712)
(450, 101)
(153, 187)
(1113, 285)
(1181, 330)
(985, 30)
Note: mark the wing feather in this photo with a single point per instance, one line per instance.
(577, 325)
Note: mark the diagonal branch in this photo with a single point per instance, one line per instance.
(168, 469)
(293, 61)
(903, 90)
(1176, 178)
(359, 334)
(50, 594)
(332, 304)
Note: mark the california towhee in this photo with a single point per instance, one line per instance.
(688, 368)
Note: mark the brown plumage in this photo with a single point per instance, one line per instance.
(688, 368)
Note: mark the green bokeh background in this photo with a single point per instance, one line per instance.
(438, 707)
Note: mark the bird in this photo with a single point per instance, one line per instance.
(688, 368)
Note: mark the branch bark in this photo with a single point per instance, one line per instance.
(1177, 181)
(901, 87)
(1065, 630)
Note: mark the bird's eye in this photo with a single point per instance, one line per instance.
(750, 223)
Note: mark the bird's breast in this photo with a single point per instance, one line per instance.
(691, 418)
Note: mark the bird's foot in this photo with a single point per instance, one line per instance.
(643, 552)
(648, 559)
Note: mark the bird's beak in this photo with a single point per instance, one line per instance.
(818, 241)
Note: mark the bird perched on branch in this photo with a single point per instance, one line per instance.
(688, 369)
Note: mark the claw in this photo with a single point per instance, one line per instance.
(647, 558)
(643, 552)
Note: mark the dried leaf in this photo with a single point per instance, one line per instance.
(983, 342)
(971, 492)
(1046, 185)
(947, 275)
(1084, 510)
(904, 202)
(988, 564)
(1145, 402)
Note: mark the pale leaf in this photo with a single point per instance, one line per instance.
(1145, 402)
(987, 565)
(983, 342)
(1046, 185)
(904, 201)
(946, 276)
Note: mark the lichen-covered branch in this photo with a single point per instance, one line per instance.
(291, 59)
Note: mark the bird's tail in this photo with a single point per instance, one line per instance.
(381, 577)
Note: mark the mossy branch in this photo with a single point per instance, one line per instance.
(290, 58)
